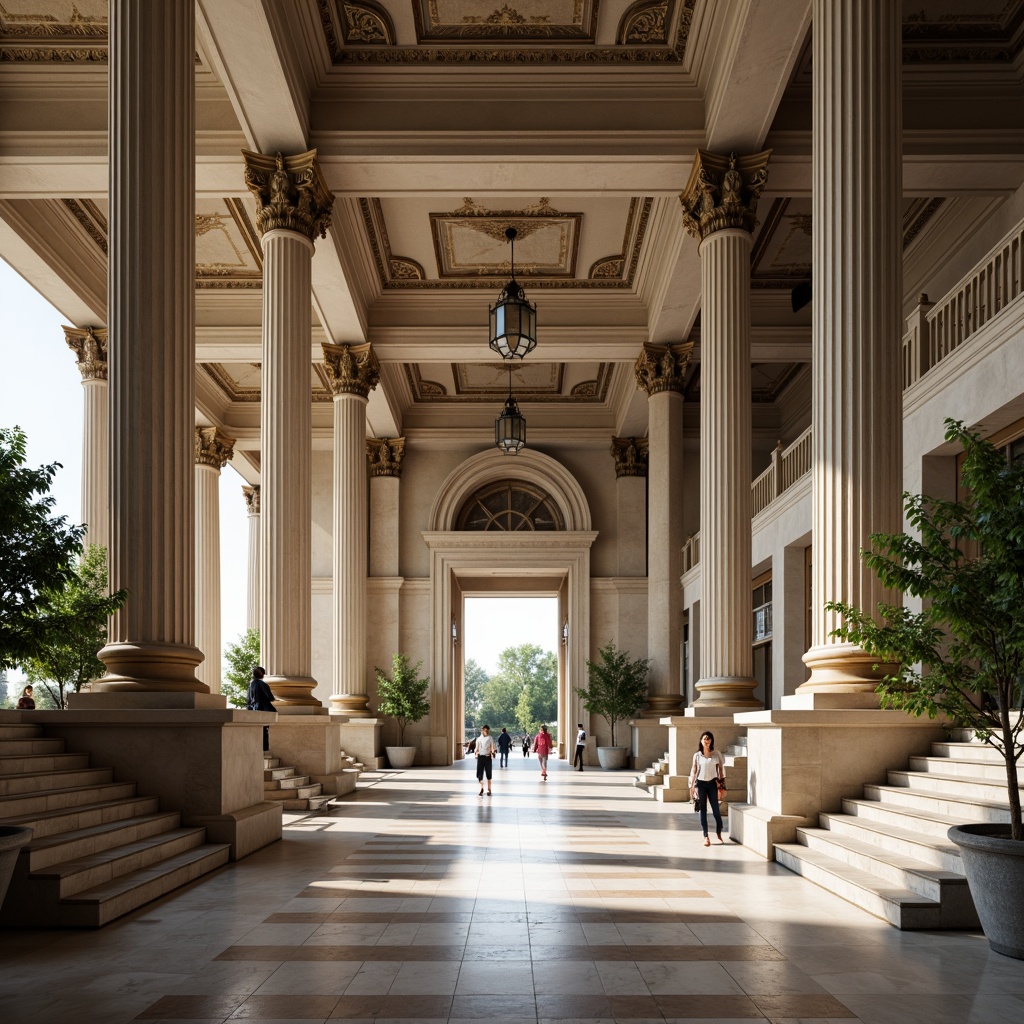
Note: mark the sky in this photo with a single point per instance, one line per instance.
(42, 393)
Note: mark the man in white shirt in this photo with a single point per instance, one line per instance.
(485, 751)
(581, 745)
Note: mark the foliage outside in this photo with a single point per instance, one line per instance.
(474, 679)
(523, 693)
(617, 686)
(72, 628)
(402, 695)
(240, 658)
(963, 654)
(37, 550)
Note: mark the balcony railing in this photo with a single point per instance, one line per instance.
(934, 330)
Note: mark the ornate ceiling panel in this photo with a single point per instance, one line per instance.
(540, 382)
(471, 20)
(240, 382)
(53, 31)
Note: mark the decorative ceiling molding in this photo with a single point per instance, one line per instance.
(469, 21)
(366, 23)
(536, 382)
(91, 217)
(66, 33)
(240, 382)
(917, 215)
(645, 23)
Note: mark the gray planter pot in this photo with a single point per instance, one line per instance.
(12, 839)
(613, 759)
(400, 757)
(994, 866)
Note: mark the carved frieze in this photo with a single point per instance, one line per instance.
(290, 193)
(723, 192)
(385, 455)
(630, 454)
(213, 447)
(252, 499)
(351, 369)
(90, 347)
(662, 367)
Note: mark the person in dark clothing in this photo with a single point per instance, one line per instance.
(526, 746)
(261, 698)
(504, 746)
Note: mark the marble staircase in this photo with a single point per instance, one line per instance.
(98, 849)
(887, 850)
(294, 791)
(667, 787)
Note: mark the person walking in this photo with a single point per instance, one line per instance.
(504, 746)
(261, 698)
(581, 745)
(542, 745)
(526, 746)
(706, 772)
(485, 749)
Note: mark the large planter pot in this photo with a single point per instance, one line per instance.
(400, 757)
(994, 866)
(12, 839)
(613, 758)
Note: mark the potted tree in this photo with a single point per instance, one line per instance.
(617, 690)
(403, 697)
(962, 655)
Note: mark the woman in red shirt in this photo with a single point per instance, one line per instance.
(542, 745)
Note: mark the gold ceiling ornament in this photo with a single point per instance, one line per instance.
(90, 346)
(367, 24)
(405, 269)
(385, 455)
(662, 367)
(290, 192)
(630, 454)
(252, 499)
(644, 23)
(723, 191)
(213, 447)
(351, 369)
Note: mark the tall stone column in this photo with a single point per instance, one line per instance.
(90, 348)
(252, 587)
(630, 454)
(293, 206)
(857, 261)
(660, 372)
(719, 206)
(353, 372)
(213, 449)
(151, 348)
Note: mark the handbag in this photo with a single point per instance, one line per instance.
(721, 787)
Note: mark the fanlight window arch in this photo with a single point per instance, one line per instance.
(510, 505)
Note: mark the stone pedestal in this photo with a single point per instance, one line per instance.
(313, 743)
(800, 763)
(361, 739)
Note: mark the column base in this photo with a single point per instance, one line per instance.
(150, 667)
(136, 700)
(662, 704)
(352, 705)
(843, 668)
(727, 692)
(292, 692)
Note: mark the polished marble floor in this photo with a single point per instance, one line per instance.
(575, 900)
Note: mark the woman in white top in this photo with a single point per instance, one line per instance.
(707, 768)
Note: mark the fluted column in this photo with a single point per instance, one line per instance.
(352, 371)
(293, 206)
(857, 261)
(213, 449)
(630, 454)
(252, 587)
(151, 347)
(660, 371)
(719, 207)
(90, 348)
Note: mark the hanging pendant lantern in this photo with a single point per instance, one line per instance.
(510, 426)
(513, 319)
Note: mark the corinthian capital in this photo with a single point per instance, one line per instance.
(90, 346)
(351, 369)
(290, 193)
(212, 447)
(662, 367)
(723, 192)
(252, 499)
(385, 455)
(630, 454)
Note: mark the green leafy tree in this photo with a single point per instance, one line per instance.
(37, 549)
(500, 699)
(240, 658)
(402, 695)
(524, 691)
(617, 685)
(474, 679)
(963, 654)
(72, 628)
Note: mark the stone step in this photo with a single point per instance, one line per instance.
(19, 732)
(44, 782)
(57, 799)
(968, 752)
(924, 821)
(935, 851)
(966, 807)
(30, 745)
(947, 785)
(292, 781)
(893, 903)
(271, 762)
(53, 849)
(985, 771)
(48, 823)
(33, 764)
(299, 793)
(312, 803)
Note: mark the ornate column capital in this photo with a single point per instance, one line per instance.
(213, 447)
(90, 346)
(630, 454)
(290, 193)
(351, 369)
(662, 367)
(385, 455)
(723, 191)
(252, 499)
